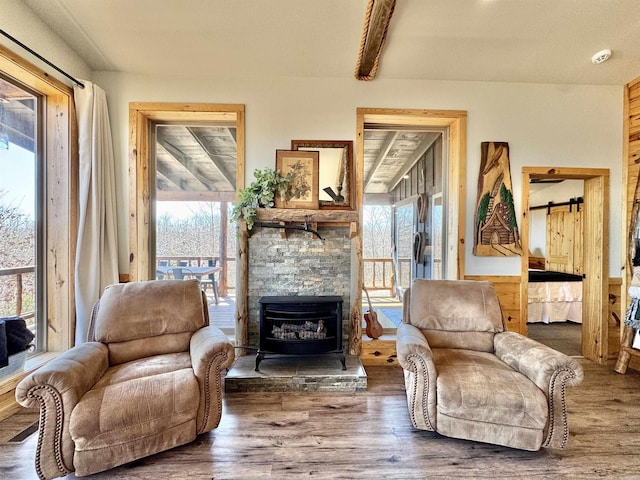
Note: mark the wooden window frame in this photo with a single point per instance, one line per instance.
(60, 169)
(142, 117)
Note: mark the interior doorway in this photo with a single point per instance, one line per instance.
(454, 147)
(186, 164)
(410, 166)
(556, 208)
(595, 245)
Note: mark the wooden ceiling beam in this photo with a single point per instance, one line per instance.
(388, 142)
(170, 175)
(374, 35)
(219, 165)
(183, 160)
(164, 183)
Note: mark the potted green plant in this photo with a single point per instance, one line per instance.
(261, 193)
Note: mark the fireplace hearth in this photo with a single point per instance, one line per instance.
(300, 325)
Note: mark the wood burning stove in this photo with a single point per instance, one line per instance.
(300, 325)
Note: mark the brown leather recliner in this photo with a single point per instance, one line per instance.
(149, 380)
(466, 377)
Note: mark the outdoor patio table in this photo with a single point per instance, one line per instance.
(189, 272)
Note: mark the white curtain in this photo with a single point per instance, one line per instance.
(97, 252)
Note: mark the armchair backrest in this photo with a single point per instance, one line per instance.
(454, 313)
(140, 319)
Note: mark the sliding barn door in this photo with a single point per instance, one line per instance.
(564, 240)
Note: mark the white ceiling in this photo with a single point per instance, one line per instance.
(538, 41)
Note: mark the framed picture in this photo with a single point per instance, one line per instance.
(335, 172)
(303, 167)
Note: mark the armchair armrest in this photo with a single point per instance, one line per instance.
(416, 358)
(56, 388)
(211, 352)
(536, 361)
(550, 370)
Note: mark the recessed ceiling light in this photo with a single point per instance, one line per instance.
(601, 56)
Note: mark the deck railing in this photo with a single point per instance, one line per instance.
(18, 273)
(378, 274)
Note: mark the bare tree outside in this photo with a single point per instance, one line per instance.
(377, 246)
(189, 236)
(17, 242)
(192, 229)
(20, 213)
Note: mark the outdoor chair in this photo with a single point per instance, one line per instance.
(211, 280)
(181, 273)
(466, 377)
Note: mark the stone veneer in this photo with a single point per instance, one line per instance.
(299, 265)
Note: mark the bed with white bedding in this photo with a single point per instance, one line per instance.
(554, 297)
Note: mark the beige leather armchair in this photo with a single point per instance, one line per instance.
(467, 378)
(150, 380)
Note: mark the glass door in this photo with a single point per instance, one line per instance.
(404, 234)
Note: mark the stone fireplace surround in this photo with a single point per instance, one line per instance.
(293, 262)
(298, 264)
(282, 262)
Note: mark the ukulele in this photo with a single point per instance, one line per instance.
(373, 329)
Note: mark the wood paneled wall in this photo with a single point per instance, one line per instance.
(508, 290)
(631, 171)
(631, 154)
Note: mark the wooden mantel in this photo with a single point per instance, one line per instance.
(300, 215)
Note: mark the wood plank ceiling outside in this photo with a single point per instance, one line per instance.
(390, 153)
(202, 158)
(198, 158)
(17, 115)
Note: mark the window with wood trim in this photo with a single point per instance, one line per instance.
(53, 196)
(21, 211)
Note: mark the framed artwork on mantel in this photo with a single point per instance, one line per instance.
(303, 167)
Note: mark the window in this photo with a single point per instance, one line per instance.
(37, 123)
(403, 233)
(21, 226)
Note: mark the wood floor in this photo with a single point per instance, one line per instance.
(565, 337)
(223, 314)
(367, 435)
